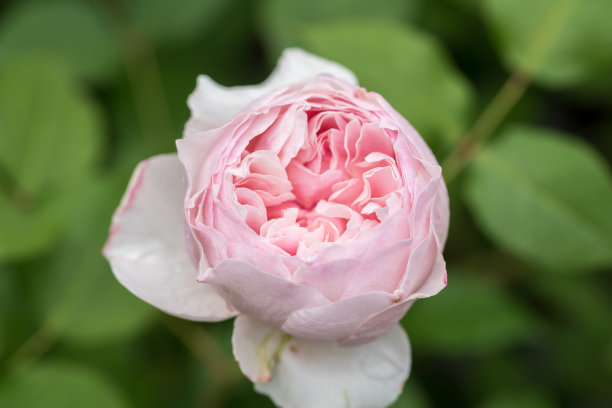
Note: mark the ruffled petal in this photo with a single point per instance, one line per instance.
(147, 248)
(212, 105)
(298, 373)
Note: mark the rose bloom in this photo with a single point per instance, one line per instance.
(308, 208)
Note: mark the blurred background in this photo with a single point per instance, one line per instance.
(514, 97)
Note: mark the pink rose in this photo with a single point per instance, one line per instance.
(305, 205)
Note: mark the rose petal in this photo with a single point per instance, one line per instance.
(338, 320)
(426, 272)
(378, 324)
(298, 373)
(147, 248)
(257, 293)
(212, 105)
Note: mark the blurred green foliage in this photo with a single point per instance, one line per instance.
(90, 88)
(429, 83)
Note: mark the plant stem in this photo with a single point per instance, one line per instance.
(206, 350)
(147, 87)
(509, 94)
(32, 349)
(145, 79)
(503, 102)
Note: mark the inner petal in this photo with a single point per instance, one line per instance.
(317, 179)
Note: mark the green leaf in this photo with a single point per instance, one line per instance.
(60, 385)
(80, 296)
(49, 138)
(519, 398)
(411, 397)
(168, 22)
(608, 358)
(107, 311)
(72, 31)
(578, 307)
(406, 66)
(18, 318)
(562, 42)
(545, 197)
(471, 315)
(282, 20)
(7, 299)
(582, 303)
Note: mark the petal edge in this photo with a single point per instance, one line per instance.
(146, 247)
(316, 374)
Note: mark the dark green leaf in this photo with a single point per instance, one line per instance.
(544, 196)
(519, 398)
(72, 31)
(282, 20)
(471, 315)
(411, 397)
(563, 42)
(168, 22)
(82, 298)
(406, 66)
(59, 385)
(49, 139)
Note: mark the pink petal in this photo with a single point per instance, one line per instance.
(338, 320)
(426, 271)
(147, 247)
(212, 105)
(261, 295)
(378, 324)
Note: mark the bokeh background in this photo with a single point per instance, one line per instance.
(514, 97)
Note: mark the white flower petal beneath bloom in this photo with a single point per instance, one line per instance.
(297, 373)
(147, 248)
(213, 105)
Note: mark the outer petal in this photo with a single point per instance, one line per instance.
(297, 373)
(338, 320)
(147, 250)
(212, 105)
(256, 293)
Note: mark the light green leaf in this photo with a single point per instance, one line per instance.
(545, 197)
(406, 66)
(169, 22)
(72, 31)
(563, 42)
(282, 20)
(471, 315)
(59, 385)
(49, 138)
(107, 311)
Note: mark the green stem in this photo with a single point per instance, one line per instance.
(35, 347)
(147, 87)
(207, 351)
(487, 123)
(509, 94)
(145, 80)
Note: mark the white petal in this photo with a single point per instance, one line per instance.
(147, 248)
(297, 373)
(212, 105)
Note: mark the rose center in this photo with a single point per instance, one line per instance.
(341, 180)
